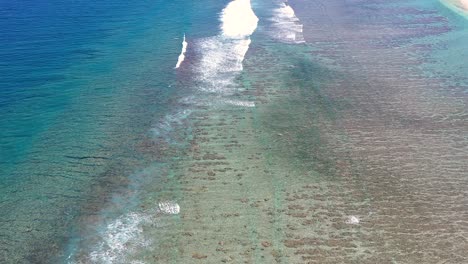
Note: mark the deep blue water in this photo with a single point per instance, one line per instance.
(80, 82)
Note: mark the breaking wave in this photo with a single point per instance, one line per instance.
(286, 26)
(182, 53)
(119, 239)
(238, 20)
(218, 61)
(241, 103)
(221, 56)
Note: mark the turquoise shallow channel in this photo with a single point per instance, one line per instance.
(243, 131)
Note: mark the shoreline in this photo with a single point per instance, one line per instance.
(458, 6)
(463, 4)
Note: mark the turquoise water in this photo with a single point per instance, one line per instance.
(285, 139)
(81, 83)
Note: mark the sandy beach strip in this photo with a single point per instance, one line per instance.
(459, 4)
(463, 4)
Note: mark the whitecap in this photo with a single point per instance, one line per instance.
(286, 26)
(238, 20)
(182, 53)
(241, 103)
(120, 238)
(352, 220)
(169, 207)
(221, 57)
(220, 63)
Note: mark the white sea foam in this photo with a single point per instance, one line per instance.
(220, 63)
(238, 20)
(286, 26)
(124, 236)
(120, 238)
(241, 103)
(169, 207)
(182, 53)
(222, 56)
(352, 220)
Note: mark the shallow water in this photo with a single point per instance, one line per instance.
(325, 132)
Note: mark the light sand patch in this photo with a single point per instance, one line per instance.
(463, 4)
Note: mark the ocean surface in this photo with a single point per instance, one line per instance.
(244, 131)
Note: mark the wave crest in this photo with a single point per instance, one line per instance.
(238, 20)
(182, 53)
(286, 25)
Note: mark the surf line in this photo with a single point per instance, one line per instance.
(458, 6)
(238, 19)
(222, 55)
(182, 53)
